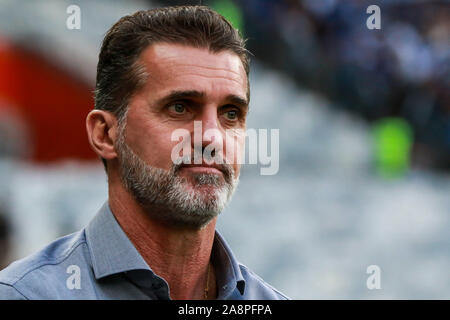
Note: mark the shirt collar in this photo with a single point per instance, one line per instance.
(112, 252)
(229, 274)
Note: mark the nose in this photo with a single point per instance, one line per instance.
(207, 131)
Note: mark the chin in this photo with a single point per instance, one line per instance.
(206, 192)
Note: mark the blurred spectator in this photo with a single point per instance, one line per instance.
(14, 138)
(5, 245)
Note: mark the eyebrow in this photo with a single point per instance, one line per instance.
(179, 95)
(237, 100)
(189, 94)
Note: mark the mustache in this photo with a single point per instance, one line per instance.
(225, 168)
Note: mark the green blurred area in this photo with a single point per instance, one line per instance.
(393, 138)
(231, 12)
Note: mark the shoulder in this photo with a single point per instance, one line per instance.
(38, 275)
(8, 292)
(258, 289)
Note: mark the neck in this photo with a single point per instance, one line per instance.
(180, 256)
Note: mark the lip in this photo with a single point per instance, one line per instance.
(204, 168)
(201, 169)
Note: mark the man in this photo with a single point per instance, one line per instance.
(159, 71)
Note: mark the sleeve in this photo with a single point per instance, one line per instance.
(8, 292)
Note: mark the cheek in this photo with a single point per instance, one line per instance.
(154, 147)
(162, 152)
(234, 148)
(149, 136)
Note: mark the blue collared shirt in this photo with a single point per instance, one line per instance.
(100, 262)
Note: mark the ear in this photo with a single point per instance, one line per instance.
(101, 129)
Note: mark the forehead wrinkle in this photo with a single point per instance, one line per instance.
(216, 77)
(168, 52)
(181, 67)
(196, 73)
(209, 68)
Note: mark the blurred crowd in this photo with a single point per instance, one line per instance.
(401, 70)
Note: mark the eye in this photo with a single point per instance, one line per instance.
(231, 114)
(177, 108)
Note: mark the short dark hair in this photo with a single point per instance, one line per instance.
(118, 74)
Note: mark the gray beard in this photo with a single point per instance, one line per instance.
(172, 199)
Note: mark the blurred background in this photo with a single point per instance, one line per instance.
(364, 120)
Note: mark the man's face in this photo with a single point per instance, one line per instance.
(184, 85)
